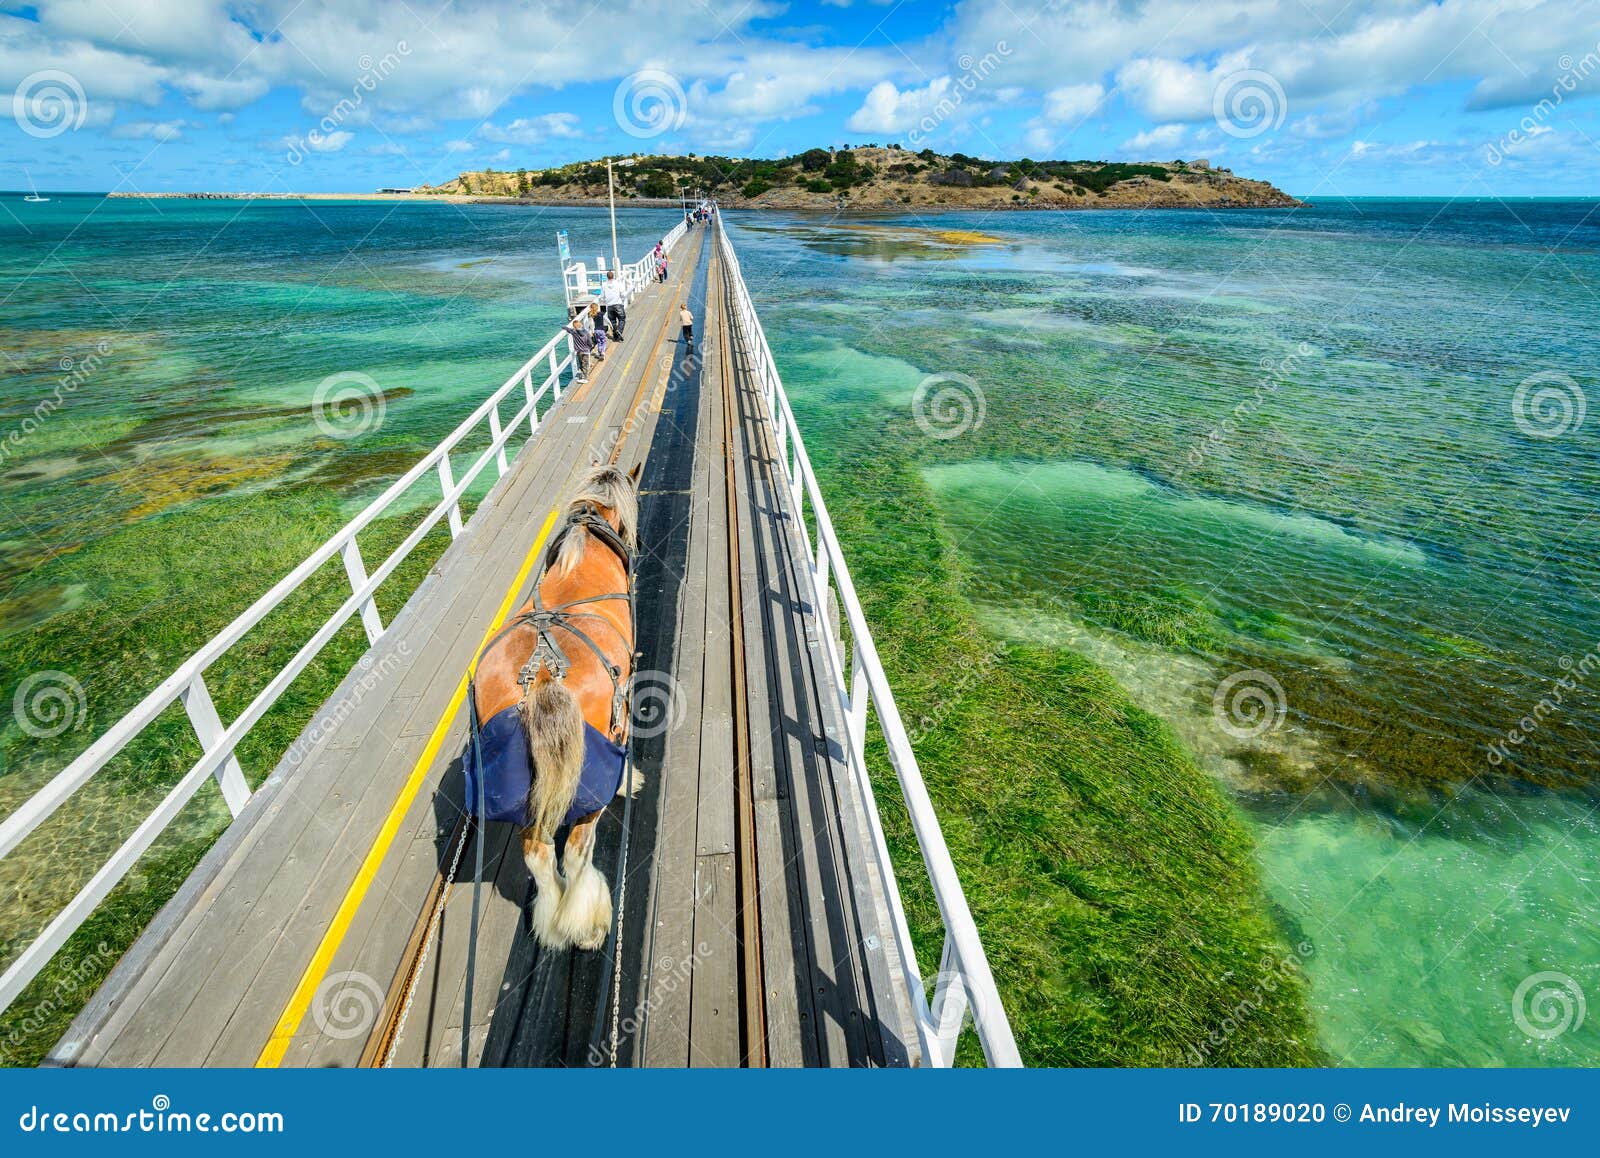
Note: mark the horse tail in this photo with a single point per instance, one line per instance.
(554, 724)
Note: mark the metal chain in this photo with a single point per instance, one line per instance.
(427, 943)
(622, 909)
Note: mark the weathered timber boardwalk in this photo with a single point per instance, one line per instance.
(756, 925)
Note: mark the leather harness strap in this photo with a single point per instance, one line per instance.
(545, 620)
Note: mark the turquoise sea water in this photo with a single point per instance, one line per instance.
(1288, 447)
(1189, 445)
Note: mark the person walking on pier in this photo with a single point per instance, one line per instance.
(686, 319)
(582, 348)
(613, 305)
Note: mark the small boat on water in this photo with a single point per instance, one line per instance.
(34, 196)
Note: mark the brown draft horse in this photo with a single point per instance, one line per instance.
(564, 663)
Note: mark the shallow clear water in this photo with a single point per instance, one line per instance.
(179, 344)
(1210, 443)
(1288, 444)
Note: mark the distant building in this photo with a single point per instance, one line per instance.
(395, 190)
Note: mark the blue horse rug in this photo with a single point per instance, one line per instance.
(501, 746)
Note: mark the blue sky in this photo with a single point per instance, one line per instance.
(1447, 97)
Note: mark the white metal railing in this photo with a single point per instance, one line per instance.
(635, 275)
(964, 980)
(187, 684)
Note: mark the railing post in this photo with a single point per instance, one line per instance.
(209, 730)
(555, 371)
(860, 701)
(494, 437)
(356, 569)
(447, 483)
(533, 405)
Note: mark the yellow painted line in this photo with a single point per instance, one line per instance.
(294, 1013)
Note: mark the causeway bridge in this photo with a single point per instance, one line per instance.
(757, 920)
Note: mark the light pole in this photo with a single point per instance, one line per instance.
(611, 193)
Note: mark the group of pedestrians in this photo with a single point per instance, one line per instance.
(605, 318)
(592, 328)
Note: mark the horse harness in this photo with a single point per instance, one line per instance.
(545, 620)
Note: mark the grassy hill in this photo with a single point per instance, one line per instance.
(876, 177)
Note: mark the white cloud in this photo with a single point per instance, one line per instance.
(1073, 102)
(328, 142)
(1155, 143)
(458, 146)
(533, 130)
(888, 110)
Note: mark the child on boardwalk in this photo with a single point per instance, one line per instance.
(597, 326)
(686, 319)
(582, 347)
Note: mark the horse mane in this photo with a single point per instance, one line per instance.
(606, 487)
